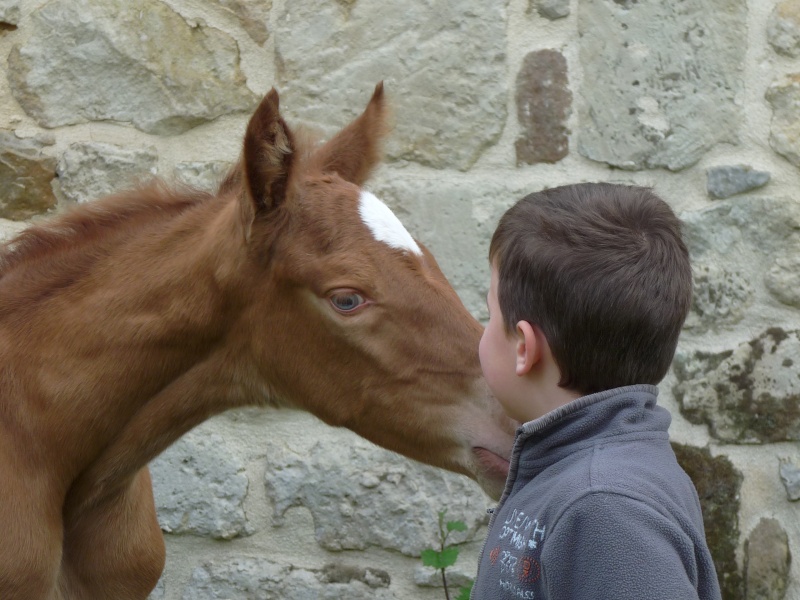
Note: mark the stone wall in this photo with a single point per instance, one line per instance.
(698, 98)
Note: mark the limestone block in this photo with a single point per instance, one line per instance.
(443, 63)
(723, 291)
(790, 475)
(783, 28)
(9, 11)
(718, 486)
(91, 170)
(97, 60)
(249, 578)
(783, 278)
(9, 229)
(783, 96)
(551, 9)
(253, 14)
(735, 245)
(544, 103)
(659, 95)
(204, 176)
(767, 560)
(360, 495)
(749, 394)
(726, 181)
(159, 592)
(25, 177)
(456, 577)
(200, 487)
(721, 296)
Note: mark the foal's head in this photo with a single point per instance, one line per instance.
(349, 317)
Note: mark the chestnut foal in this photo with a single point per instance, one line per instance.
(126, 322)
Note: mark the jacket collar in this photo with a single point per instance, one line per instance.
(629, 409)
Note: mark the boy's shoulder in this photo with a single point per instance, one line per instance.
(624, 495)
(612, 443)
(612, 473)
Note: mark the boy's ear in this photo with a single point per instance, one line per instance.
(529, 347)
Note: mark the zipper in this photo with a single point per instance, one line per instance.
(512, 476)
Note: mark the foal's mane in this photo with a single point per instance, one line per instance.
(85, 224)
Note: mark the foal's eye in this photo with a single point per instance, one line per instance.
(347, 301)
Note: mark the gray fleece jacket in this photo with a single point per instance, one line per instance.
(596, 506)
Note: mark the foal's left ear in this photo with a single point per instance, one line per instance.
(355, 151)
(267, 155)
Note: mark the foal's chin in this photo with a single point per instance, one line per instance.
(490, 470)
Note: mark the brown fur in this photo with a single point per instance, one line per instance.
(126, 322)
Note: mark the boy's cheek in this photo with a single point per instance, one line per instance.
(483, 352)
(484, 356)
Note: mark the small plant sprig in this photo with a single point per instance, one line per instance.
(446, 556)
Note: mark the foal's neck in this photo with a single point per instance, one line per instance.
(142, 346)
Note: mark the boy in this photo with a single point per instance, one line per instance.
(590, 286)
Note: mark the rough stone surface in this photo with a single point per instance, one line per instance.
(783, 278)
(9, 12)
(734, 245)
(659, 96)
(750, 394)
(784, 98)
(204, 176)
(448, 95)
(91, 170)
(249, 578)
(721, 296)
(790, 475)
(551, 9)
(783, 28)
(718, 486)
(159, 592)
(723, 291)
(200, 488)
(253, 15)
(361, 496)
(93, 60)
(544, 103)
(8, 229)
(25, 177)
(767, 560)
(430, 577)
(727, 181)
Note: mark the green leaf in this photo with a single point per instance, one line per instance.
(431, 558)
(464, 592)
(439, 560)
(456, 526)
(448, 557)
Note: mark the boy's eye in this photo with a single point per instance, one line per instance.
(347, 301)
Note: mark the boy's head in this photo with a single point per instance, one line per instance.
(603, 272)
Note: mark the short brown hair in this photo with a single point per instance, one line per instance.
(603, 271)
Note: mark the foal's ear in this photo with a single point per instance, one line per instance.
(267, 155)
(357, 149)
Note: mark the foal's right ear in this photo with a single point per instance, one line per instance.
(267, 156)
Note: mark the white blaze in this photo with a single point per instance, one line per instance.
(384, 224)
